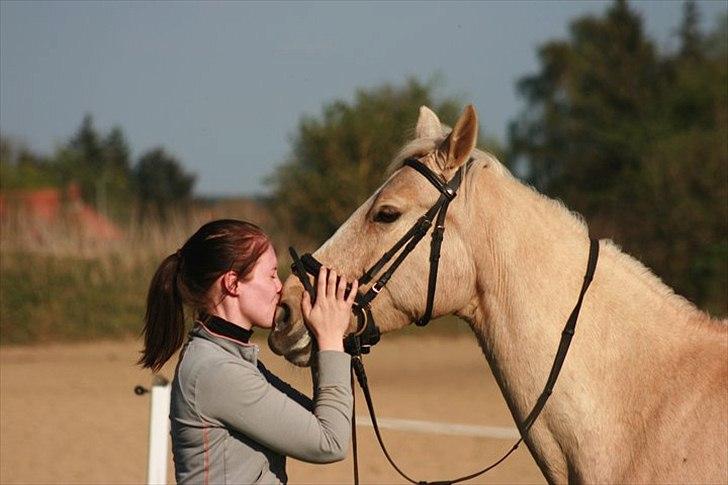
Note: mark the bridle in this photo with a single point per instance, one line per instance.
(367, 333)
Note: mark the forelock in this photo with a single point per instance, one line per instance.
(415, 149)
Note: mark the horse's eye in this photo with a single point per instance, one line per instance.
(386, 215)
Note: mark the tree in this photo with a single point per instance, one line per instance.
(716, 42)
(86, 141)
(81, 159)
(100, 165)
(684, 173)
(339, 159)
(635, 140)
(690, 36)
(589, 110)
(20, 168)
(115, 185)
(162, 183)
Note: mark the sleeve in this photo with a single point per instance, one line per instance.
(286, 388)
(242, 399)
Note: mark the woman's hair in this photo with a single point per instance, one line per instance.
(184, 279)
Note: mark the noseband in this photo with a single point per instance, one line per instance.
(367, 333)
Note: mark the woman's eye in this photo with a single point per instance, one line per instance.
(386, 215)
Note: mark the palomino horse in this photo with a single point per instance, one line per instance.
(643, 394)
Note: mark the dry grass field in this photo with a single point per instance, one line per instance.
(68, 413)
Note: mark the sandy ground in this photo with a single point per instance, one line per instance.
(68, 414)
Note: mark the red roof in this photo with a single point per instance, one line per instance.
(49, 206)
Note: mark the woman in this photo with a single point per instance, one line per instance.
(232, 420)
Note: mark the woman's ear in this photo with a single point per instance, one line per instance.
(229, 283)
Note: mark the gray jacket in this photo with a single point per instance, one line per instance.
(235, 422)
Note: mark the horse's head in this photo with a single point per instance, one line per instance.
(380, 222)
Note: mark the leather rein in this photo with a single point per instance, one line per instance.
(367, 333)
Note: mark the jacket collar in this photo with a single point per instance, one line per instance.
(225, 328)
(237, 348)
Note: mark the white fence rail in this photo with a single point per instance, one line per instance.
(158, 431)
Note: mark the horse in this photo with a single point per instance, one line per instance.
(643, 393)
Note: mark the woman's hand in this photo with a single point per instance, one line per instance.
(328, 319)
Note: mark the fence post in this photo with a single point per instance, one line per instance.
(159, 431)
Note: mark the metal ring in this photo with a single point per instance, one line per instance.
(360, 330)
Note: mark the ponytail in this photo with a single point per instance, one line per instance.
(184, 279)
(164, 322)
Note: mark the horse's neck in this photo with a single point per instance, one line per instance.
(530, 272)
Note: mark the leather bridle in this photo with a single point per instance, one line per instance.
(367, 333)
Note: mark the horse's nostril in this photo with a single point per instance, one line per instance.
(283, 316)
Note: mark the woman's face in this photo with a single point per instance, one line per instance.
(260, 292)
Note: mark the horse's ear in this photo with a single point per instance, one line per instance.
(458, 145)
(428, 124)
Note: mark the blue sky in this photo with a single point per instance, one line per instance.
(222, 85)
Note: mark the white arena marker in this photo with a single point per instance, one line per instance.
(441, 428)
(159, 431)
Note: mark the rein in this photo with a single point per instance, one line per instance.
(525, 427)
(367, 333)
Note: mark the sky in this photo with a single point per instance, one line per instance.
(223, 85)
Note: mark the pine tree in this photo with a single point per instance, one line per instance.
(162, 184)
(691, 41)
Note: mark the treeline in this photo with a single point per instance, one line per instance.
(636, 140)
(100, 165)
(633, 138)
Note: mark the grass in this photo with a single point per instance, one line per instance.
(58, 283)
(46, 297)
(49, 297)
